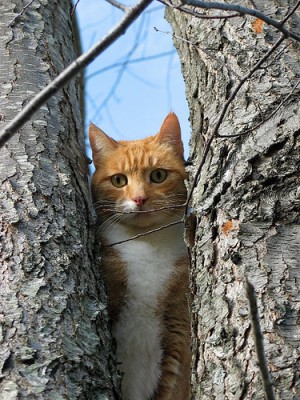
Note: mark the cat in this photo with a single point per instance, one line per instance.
(138, 187)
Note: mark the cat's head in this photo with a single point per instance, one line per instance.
(132, 178)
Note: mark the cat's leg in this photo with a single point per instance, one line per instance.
(174, 382)
(175, 367)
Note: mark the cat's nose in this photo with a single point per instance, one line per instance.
(140, 200)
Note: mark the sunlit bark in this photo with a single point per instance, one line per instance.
(54, 340)
(246, 201)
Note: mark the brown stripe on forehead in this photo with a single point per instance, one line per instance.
(135, 158)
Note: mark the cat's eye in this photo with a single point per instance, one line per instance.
(119, 180)
(158, 175)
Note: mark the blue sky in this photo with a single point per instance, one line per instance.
(130, 101)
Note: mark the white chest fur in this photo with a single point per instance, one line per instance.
(150, 263)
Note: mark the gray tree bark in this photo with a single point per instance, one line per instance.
(246, 201)
(53, 321)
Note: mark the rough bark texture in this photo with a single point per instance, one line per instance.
(247, 203)
(54, 340)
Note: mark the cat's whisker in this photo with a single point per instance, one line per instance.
(111, 221)
(108, 202)
(170, 203)
(101, 206)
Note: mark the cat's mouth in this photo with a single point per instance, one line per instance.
(141, 213)
(131, 208)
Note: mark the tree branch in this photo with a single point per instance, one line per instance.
(246, 11)
(20, 13)
(266, 119)
(259, 343)
(152, 210)
(197, 14)
(290, 13)
(118, 5)
(121, 71)
(131, 61)
(214, 133)
(34, 104)
(144, 233)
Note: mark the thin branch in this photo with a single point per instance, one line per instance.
(74, 8)
(118, 5)
(144, 234)
(206, 51)
(253, 3)
(140, 211)
(266, 119)
(34, 104)
(121, 71)
(199, 169)
(214, 133)
(20, 14)
(195, 13)
(278, 55)
(259, 343)
(129, 62)
(175, 36)
(277, 108)
(290, 13)
(245, 11)
(243, 80)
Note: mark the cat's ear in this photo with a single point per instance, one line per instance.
(100, 142)
(170, 133)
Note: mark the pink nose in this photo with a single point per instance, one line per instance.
(140, 200)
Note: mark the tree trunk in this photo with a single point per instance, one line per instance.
(54, 340)
(246, 201)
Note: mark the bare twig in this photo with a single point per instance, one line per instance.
(277, 56)
(259, 343)
(131, 61)
(20, 13)
(290, 13)
(145, 233)
(245, 11)
(74, 8)
(199, 169)
(141, 211)
(195, 13)
(206, 51)
(121, 71)
(34, 104)
(175, 36)
(253, 3)
(266, 118)
(277, 108)
(243, 80)
(118, 5)
(214, 133)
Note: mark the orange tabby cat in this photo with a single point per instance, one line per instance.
(138, 187)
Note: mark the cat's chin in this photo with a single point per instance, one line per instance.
(140, 221)
(145, 221)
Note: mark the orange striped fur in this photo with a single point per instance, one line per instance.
(138, 186)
